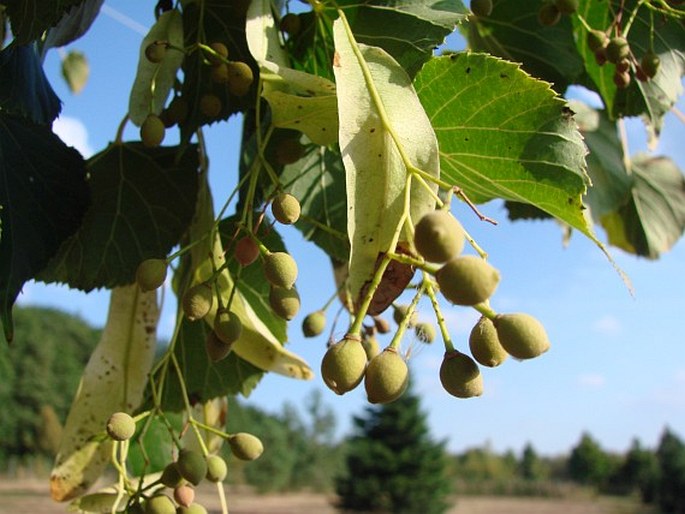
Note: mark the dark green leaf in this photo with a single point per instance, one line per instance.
(513, 32)
(75, 71)
(143, 201)
(30, 18)
(652, 99)
(24, 88)
(318, 182)
(512, 139)
(150, 451)
(43, 196)
(653, 218)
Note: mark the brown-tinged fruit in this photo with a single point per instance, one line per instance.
(566, 6)
(425, 332)
(286, 208)
(521, 335)
(155, 51)
(176, 113)
(184, 495)
(438, 236)
(240, 78)
(291, 24)
(197, 301)
(219, 73)
(467, 280)
(216, 468)
(289, 151)
(227, 326)
(343, 365)
(191, 465)
(284, 302)
(151, 274)
(484, 344)
(245, 446)
(246, 251)
(548, 15)
(621, 79)
(120, 426)
(217, 350)
(220, 49)
(386, 377)
(596, 40)
(280, 269)
(210, 105)
(381, 324)
(314, 324)
(160, 504)
(481, 8)
(460, 376)
(650, 63)
(617, 49)
(152, 131)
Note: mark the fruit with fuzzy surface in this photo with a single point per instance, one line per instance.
(400, 312)
(193, 508)
(280, 269)
(617, 49)
(596, 40)
(240, 78)
(227, 326)
(481, 8)
(245, 446)
(160, 504)
(386, 377)
(210, 105)
(289, 151)
(425, 332)
(216, 468)
(171, 478)
(151, 274)
(286, 208)
(120, 426)
(197, 301)
(438, 236)
(521, 335)
(284, 302)
(343, 365)
(650, 63)
(191, 465)
(467, 280)
(217, 350)
(314, 324)
(460, 376)
(184, 495)
(220, 49)
(371, 346)
(246, 251)
(152, 131)
(484, 344)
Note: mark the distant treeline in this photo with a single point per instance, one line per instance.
(41, 370)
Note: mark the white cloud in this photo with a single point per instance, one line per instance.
(74, 133)
(592, 380)
(607, 325)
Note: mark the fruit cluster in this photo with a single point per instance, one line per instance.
(181, 476)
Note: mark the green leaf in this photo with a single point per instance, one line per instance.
(653, 218)
(503, 134)
(379, 111)
(72, 25)
(611, 183)
(24, 88)
(30, 18)
(409, 30)
(513, 32)
(318, 182)
(75, 71)
(149, 450)
(143, 201)
(652, 99)
(154, 81)
(43, 198)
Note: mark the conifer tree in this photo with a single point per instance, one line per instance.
(393, 465)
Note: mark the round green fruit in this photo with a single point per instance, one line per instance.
(622, 79)
(484, 344)
(210, 105)
(120, 426)
(371, 347)
(194, 508)
(314, 324)
(286, 208)
(567, 6)
(400, 312)
(184, 495)
(221, 50)
(481, 8)
(246, 251)
(425, 332)
(548, 15)
(650, 63)
(216, 468)
(617, 49)
(217, 350)
(171, 478)
(284, 302)
(596, 40)
(240, 78)
(155, 51)
(386, 377)
(291, 24)
(151, 274)
(438, 236)
(460, 376)
(467, 280)
(280, 269)
(227, 326)
(197, 301)
(521, 335)
(245, 446)
(160, 504)
(343, 365)
(192, 465)
(219, 73)
(152, 131)
(289, 151)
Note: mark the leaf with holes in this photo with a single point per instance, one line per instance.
(143, 201)
(512, 139)
(43, 198)
(376, 103)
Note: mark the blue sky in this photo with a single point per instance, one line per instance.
(617, 363)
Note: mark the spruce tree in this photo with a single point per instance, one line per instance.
(393, 465)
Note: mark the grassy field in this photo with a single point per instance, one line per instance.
(31, 496)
